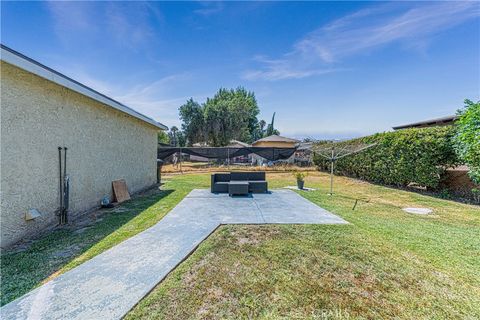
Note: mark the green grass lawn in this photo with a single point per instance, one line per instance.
(385, 264)
(65, 249)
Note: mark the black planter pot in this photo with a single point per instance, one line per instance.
(300, 184)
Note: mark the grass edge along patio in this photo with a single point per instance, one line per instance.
(385, 252)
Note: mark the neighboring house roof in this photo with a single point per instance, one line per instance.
(305, 146)
(429, 123)
(200, 144)
(240, 143)
(164, 145)
(23, 62)
(276, 138)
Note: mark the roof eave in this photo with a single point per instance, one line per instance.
(431, 122)
(21, 61)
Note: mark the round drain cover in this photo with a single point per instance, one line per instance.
(418, 210)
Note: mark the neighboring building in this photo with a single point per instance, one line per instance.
(41, 110)
(233, 144)
(276, 142)
(444, 121)
(242, 159)
(198, 158)
(303, 154)
(238, 144)
(456, 180)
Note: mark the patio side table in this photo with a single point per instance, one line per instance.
(238, 187)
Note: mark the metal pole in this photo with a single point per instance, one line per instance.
(60, 210)
(228, 157)
(66, 188)
(331, 170)
(181, 160)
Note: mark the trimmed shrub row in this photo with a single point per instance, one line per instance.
(418, 156)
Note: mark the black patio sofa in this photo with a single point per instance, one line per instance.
(256, 181)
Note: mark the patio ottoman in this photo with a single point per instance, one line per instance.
(258, 186)
(238, 187)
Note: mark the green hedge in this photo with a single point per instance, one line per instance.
(401, 157)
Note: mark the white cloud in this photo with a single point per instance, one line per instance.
(361, 31)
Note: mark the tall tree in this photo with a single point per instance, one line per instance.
(261, 125)
(230, 114)
(163, 137)
(193, 122)
(260, 130)
(173, 131)
(182, 140)
(271, 127)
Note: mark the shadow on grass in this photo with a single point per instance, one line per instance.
(55, 252)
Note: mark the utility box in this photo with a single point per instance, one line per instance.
(32, 214)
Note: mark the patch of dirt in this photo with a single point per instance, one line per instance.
(254, 235)
(65, 252)
(81, 230)
(78, 224)
(190, 276)
(247, 240)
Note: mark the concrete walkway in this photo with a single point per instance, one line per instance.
(110, 284)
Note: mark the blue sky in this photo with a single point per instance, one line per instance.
(328, 69)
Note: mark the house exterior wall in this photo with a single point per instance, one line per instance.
(274, 144)
(457, 181)
(38, 116)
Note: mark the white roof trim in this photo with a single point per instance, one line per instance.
(23, 62)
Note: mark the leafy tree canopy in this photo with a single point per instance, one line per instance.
(193, 123)
(467, 137)
(230, 114)
(163, 137)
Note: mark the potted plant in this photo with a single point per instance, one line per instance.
(300, 176)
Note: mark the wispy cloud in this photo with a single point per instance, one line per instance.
(128, 24)
(280, 69)
(209, 8)
(362, 31)
(68, 16)
(157, 98)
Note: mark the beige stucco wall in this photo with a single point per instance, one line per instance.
(38, 116)
(274, 144)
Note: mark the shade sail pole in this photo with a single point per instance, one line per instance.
(332, 153)
(181, 160)
(332, 159)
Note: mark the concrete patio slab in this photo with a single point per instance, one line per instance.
(110, 284)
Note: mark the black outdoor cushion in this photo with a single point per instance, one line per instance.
(219, 187)
(222, 177)
(257, 186)
(256, 176)
(239, 176)
(256, 181)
